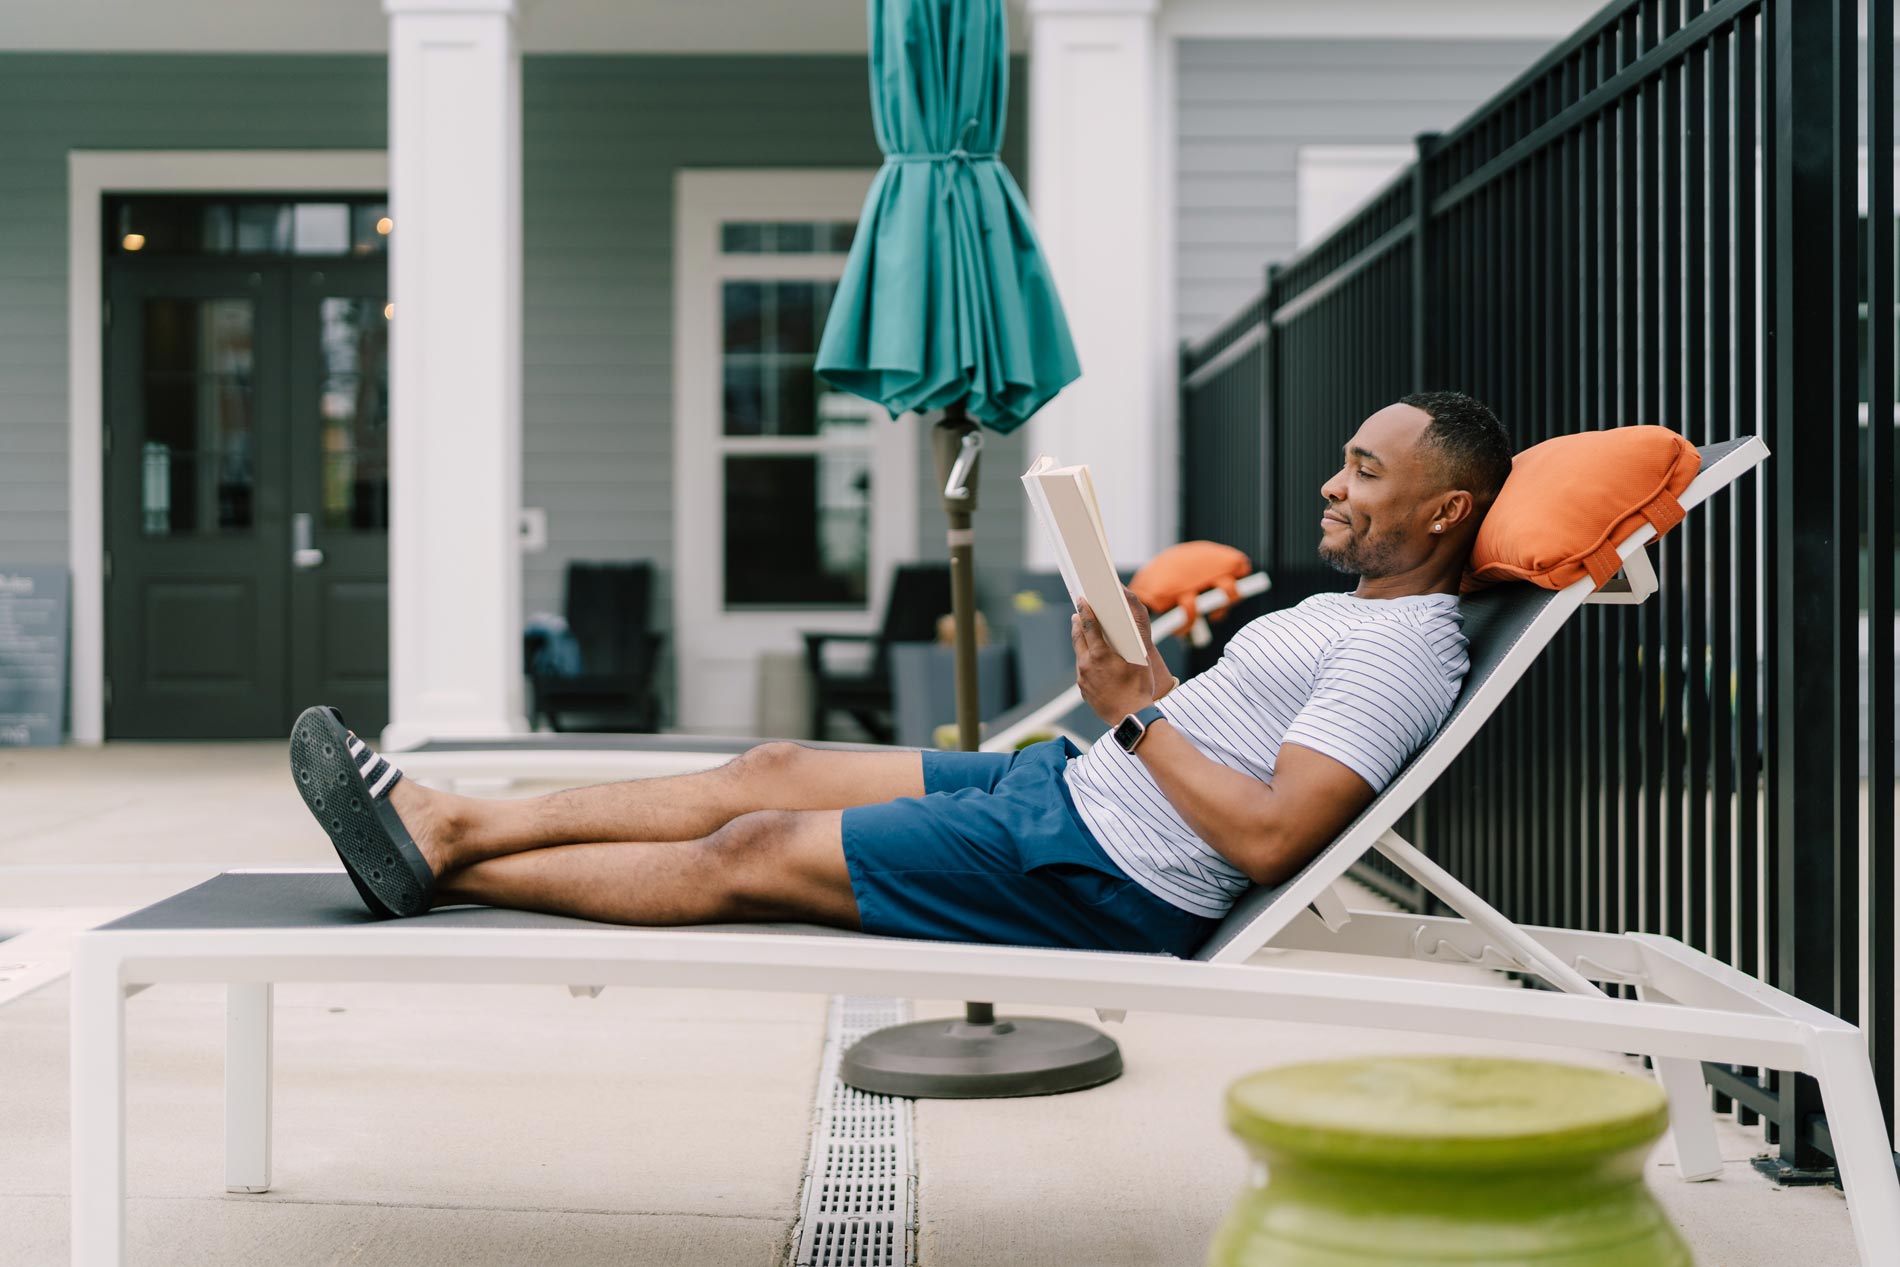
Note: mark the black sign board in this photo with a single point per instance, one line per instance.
(35, 613)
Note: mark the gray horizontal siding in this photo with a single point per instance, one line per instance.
(52, 103)
(1245, 107)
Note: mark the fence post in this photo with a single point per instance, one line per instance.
(1269, 427)
(1424, 264)
(1813, 340)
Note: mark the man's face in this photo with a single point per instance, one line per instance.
(1379, 505)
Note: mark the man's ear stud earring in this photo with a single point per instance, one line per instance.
(1438, 527)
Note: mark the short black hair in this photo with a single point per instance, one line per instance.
(1471, 442)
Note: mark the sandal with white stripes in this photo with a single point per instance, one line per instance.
(346, 784)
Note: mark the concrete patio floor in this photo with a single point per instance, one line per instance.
(511, 1125)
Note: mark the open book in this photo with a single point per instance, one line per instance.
(1064, 500)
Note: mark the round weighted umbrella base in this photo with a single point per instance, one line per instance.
(956, 1059)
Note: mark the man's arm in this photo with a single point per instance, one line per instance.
(1269, 830)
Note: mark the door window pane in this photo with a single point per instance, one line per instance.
(197, 455)
(768, 355)
(370, 227)
(798, 529)
(320, 228)
(354, 414)
(786, 237)
(189, 224)
(263, 227)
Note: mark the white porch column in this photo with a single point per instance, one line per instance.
(1095, 185)
(455, 369)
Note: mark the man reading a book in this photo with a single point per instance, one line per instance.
(1197, 789)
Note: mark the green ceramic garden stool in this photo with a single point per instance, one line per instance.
(1446, 1160)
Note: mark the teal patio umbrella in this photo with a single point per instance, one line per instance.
(946, 301)
(947, 309)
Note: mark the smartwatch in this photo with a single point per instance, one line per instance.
(1133, 727)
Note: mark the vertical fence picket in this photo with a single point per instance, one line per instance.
(1879, 548)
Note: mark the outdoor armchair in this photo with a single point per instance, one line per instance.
(608, 610)
(920, 594)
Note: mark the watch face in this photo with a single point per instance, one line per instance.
(1128, 733)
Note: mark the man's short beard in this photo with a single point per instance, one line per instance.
(1355, 559)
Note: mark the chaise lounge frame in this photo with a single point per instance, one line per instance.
(249, 930)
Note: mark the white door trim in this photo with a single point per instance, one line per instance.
(91, 174)
(703, 199)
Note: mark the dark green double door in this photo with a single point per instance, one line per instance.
(247, 496)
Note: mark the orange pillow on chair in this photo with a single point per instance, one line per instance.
(1571, 501)
(1182, 573)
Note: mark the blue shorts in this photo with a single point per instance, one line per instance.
(995, 852)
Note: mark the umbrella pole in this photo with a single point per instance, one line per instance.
(957, 445)
(978, 1057)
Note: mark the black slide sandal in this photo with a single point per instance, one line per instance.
(346, 786)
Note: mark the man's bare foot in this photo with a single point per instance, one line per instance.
(433, 823)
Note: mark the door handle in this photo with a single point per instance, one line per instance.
(303, 555)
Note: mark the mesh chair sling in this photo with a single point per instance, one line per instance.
(250, 929)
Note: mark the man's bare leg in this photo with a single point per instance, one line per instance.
(767, 865)
(459, 831)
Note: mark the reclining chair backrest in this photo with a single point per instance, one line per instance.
(607, 611)
(1507, 626)
(920, 595)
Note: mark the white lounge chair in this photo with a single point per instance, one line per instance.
(250, 930)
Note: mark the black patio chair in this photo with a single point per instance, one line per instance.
(607, 609)
(920, 594)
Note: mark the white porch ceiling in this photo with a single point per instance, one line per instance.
(358, 26)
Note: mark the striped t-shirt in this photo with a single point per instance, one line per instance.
(1364, 681)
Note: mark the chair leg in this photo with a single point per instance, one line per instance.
(1691, 1122)
(1862, 1151)
(98, 1110)
(247, 1086)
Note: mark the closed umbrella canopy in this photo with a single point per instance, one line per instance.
(946, 298)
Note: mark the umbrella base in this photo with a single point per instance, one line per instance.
(955, 1059)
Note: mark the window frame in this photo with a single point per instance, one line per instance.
(717, 647)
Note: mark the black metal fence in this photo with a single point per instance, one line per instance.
(1665, 220)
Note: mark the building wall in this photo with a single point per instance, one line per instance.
(603, 137)
(1245, 107)
(53, 103)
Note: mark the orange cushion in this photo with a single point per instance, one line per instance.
(1181, 573)
(1571, 501)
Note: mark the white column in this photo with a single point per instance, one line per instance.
(1096, 187)
(455, 369)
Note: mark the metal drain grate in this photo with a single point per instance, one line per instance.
(860, 1182)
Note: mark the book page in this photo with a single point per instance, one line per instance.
(1079, 535)
(1039, 502)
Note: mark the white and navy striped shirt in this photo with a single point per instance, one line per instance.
(1364, 681)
